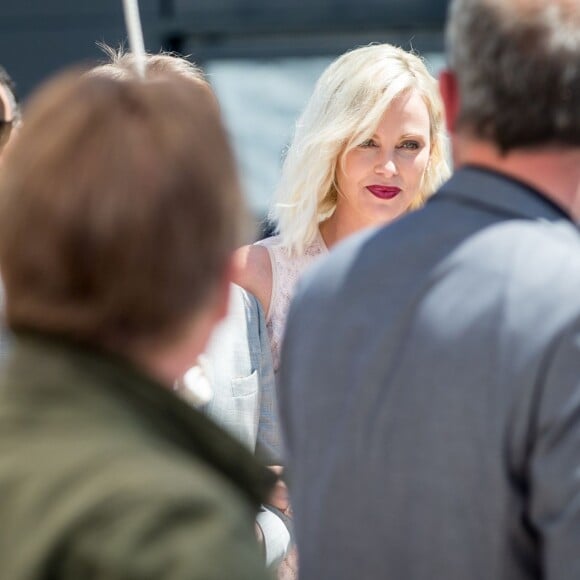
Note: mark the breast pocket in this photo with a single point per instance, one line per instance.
(245, 403)
(245, 386)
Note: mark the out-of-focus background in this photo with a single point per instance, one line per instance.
(262, 56)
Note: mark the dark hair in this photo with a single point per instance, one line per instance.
(120, 206)
(518, 68)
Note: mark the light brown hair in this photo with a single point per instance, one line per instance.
(120, 206)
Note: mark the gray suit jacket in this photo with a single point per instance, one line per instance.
(430, 394)
(238, 363)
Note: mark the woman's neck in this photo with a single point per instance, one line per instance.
(336, 228)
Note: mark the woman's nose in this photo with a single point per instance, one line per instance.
(386, 166)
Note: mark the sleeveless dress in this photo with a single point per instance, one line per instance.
(286, 271)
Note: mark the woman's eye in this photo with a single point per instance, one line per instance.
(368, 143)
(410, 145)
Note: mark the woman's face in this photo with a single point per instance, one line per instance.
(381, 176)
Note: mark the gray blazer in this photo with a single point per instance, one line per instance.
(238, 362)
(430, 394)
(239, 368)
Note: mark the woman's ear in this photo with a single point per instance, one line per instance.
(450, 96)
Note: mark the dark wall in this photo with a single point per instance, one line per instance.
(307, 15)
(38, 37)
(258, 28)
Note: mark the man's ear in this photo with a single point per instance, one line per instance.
(450, 96)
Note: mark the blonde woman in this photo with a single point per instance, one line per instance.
(369, 147)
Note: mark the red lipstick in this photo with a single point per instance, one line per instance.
(384, 192)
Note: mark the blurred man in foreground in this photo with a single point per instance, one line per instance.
(432, 411)
(123, 201)
(9, 121)
(9, 109)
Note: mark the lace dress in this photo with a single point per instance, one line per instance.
(286, 271)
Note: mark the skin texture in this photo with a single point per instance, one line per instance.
(395, 156)
(254, 272)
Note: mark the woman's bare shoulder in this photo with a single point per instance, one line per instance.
(253, 271)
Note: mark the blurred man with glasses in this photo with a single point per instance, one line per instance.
(9, 109)
(9, 120)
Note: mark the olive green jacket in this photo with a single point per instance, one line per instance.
(105, 474)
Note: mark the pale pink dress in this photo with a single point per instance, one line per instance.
(286, 271)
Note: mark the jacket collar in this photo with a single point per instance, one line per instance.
(499, 193)
(99, 380)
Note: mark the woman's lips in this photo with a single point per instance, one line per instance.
(384, 192)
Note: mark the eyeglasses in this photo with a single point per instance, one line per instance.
(5, 131)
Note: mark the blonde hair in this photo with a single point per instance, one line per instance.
(348, 102)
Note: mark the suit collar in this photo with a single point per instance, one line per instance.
(499, 193)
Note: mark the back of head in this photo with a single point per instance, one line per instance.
(121, 65)
(348, 102)
(518, 69)
(119, 208)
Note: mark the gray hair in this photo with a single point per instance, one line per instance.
(518, 70)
